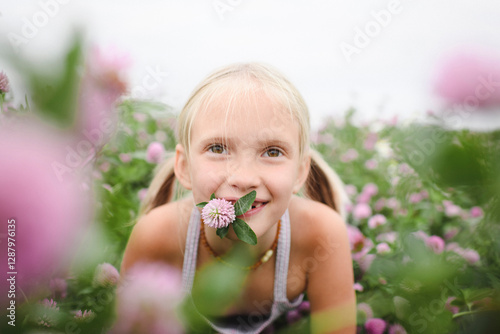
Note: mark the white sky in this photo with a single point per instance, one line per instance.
(187, 39)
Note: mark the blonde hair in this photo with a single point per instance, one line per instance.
(247, 80)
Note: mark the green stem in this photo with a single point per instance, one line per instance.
(461, 314)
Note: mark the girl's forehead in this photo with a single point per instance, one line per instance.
(244, 109)
(256, 116)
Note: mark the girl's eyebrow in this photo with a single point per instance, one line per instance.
(259, 143)
(213, 140)
(275, 142)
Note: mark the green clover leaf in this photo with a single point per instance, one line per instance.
(244, 203)
(244, 232)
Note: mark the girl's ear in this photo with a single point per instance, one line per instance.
(181, 167)
(303, 173)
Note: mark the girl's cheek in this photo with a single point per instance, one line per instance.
(211, 179)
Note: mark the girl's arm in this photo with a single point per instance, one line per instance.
(330, 281)
(154, 238)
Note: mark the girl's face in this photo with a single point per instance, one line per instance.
(254, 147)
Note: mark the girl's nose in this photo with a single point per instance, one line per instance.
(243, 176)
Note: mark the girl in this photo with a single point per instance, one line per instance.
(244, 128)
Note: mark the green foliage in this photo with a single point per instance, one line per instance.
(426, 177)
(216, 287)
(55, 92)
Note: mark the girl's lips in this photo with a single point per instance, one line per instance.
(256, 208)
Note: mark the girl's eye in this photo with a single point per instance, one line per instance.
(273, 153)
(217, 149)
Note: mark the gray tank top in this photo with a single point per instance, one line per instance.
(280, 305)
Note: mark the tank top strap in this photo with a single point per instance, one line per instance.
(191, 251)
(281, 270)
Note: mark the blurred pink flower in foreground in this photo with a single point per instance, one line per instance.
(371, 164)
(363, 198)
(142, 194)
(365, 310)
(49, 213)
(421, 235)
(371, 189)
(293, 316)
(368, 191)
(356, 238)
(397, 329)
(370, 141)
(358, 287)
(469, 255)
(452, 232)
(147, 300)
(389, 237)
(105, 167)
(376, 221)
(139, 117)
(155, 152)
(392, 203)
(125, 157)
(106, 275)
(4, 83)
(415, 198)
(361, 211)
(320, 138)
(470, 79)
(451, 210)
(435, 243)
(101, 86)
(379, 204)
(304, 307)
(405, 169)
(375, 326)
(58, 287)
(86, 315)
(350, 155)
(48, 314)
(383, 248)
(476, 211)
(364, 260)
(453, 309)
(360, 247)
(350, 189)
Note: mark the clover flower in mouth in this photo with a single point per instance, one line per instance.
(218, 213)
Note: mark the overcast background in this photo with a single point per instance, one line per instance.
(185, 40)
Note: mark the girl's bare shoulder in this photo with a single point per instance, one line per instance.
(313, 222)
(159, 235)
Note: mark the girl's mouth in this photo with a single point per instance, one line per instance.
(257, 206)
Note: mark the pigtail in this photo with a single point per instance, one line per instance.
(324, 185)
(161, 190)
